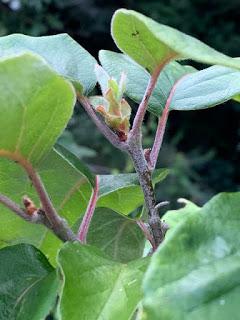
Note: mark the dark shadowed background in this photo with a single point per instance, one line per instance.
(202, 147)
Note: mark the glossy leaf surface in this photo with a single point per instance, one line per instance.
(195, 273)
(96, 287)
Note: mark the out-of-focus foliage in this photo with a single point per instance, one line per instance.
(203, 147)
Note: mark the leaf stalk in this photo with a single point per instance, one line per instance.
(161, 128)
(84, 227)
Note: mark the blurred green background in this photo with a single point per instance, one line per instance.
(202, 148)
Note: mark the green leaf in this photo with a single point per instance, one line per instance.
(174, 218)
(96, 287)
(67, 140)
(68, 188)
(150, 43)
(137, 78)
(237, 98)
(117, 236)
(64, 54)
(35, 106)
(23, 270)
(195, 272)
(76, 163)
(39, 300)
(206, 88)
(122, 192)
(102, 78)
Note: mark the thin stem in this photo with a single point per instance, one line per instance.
(137, 123)
(59, 225)
(102, 127)
(161, 128)
(33, 218)
(55, 222)
(146, 232)
(7, 202)
(158, 138)
(141, 166)
(83, 230)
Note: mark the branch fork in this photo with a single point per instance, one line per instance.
(48, 214)
(144, 161)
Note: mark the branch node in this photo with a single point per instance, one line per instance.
(29, 205)
(112, 137)
(147, 232)
(162, 204)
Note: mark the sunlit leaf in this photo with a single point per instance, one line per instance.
(35, 106)
(151, 44)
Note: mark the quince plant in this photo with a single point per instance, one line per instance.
(74, 249)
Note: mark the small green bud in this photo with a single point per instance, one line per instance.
(112, 106)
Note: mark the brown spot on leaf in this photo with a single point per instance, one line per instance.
(136, 33)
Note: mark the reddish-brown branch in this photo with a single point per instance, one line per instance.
(84, 227)
(161, 129)
(158, 137)
(137, 123)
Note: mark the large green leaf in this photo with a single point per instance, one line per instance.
(122, 192)
(35, 106)
(195, 272)
(137, 78)
(68, 188)
(96, 287)
(117, 236)
(23, 270)
(64, 54)
(173, 218)
(150, 43)
(206, 88)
